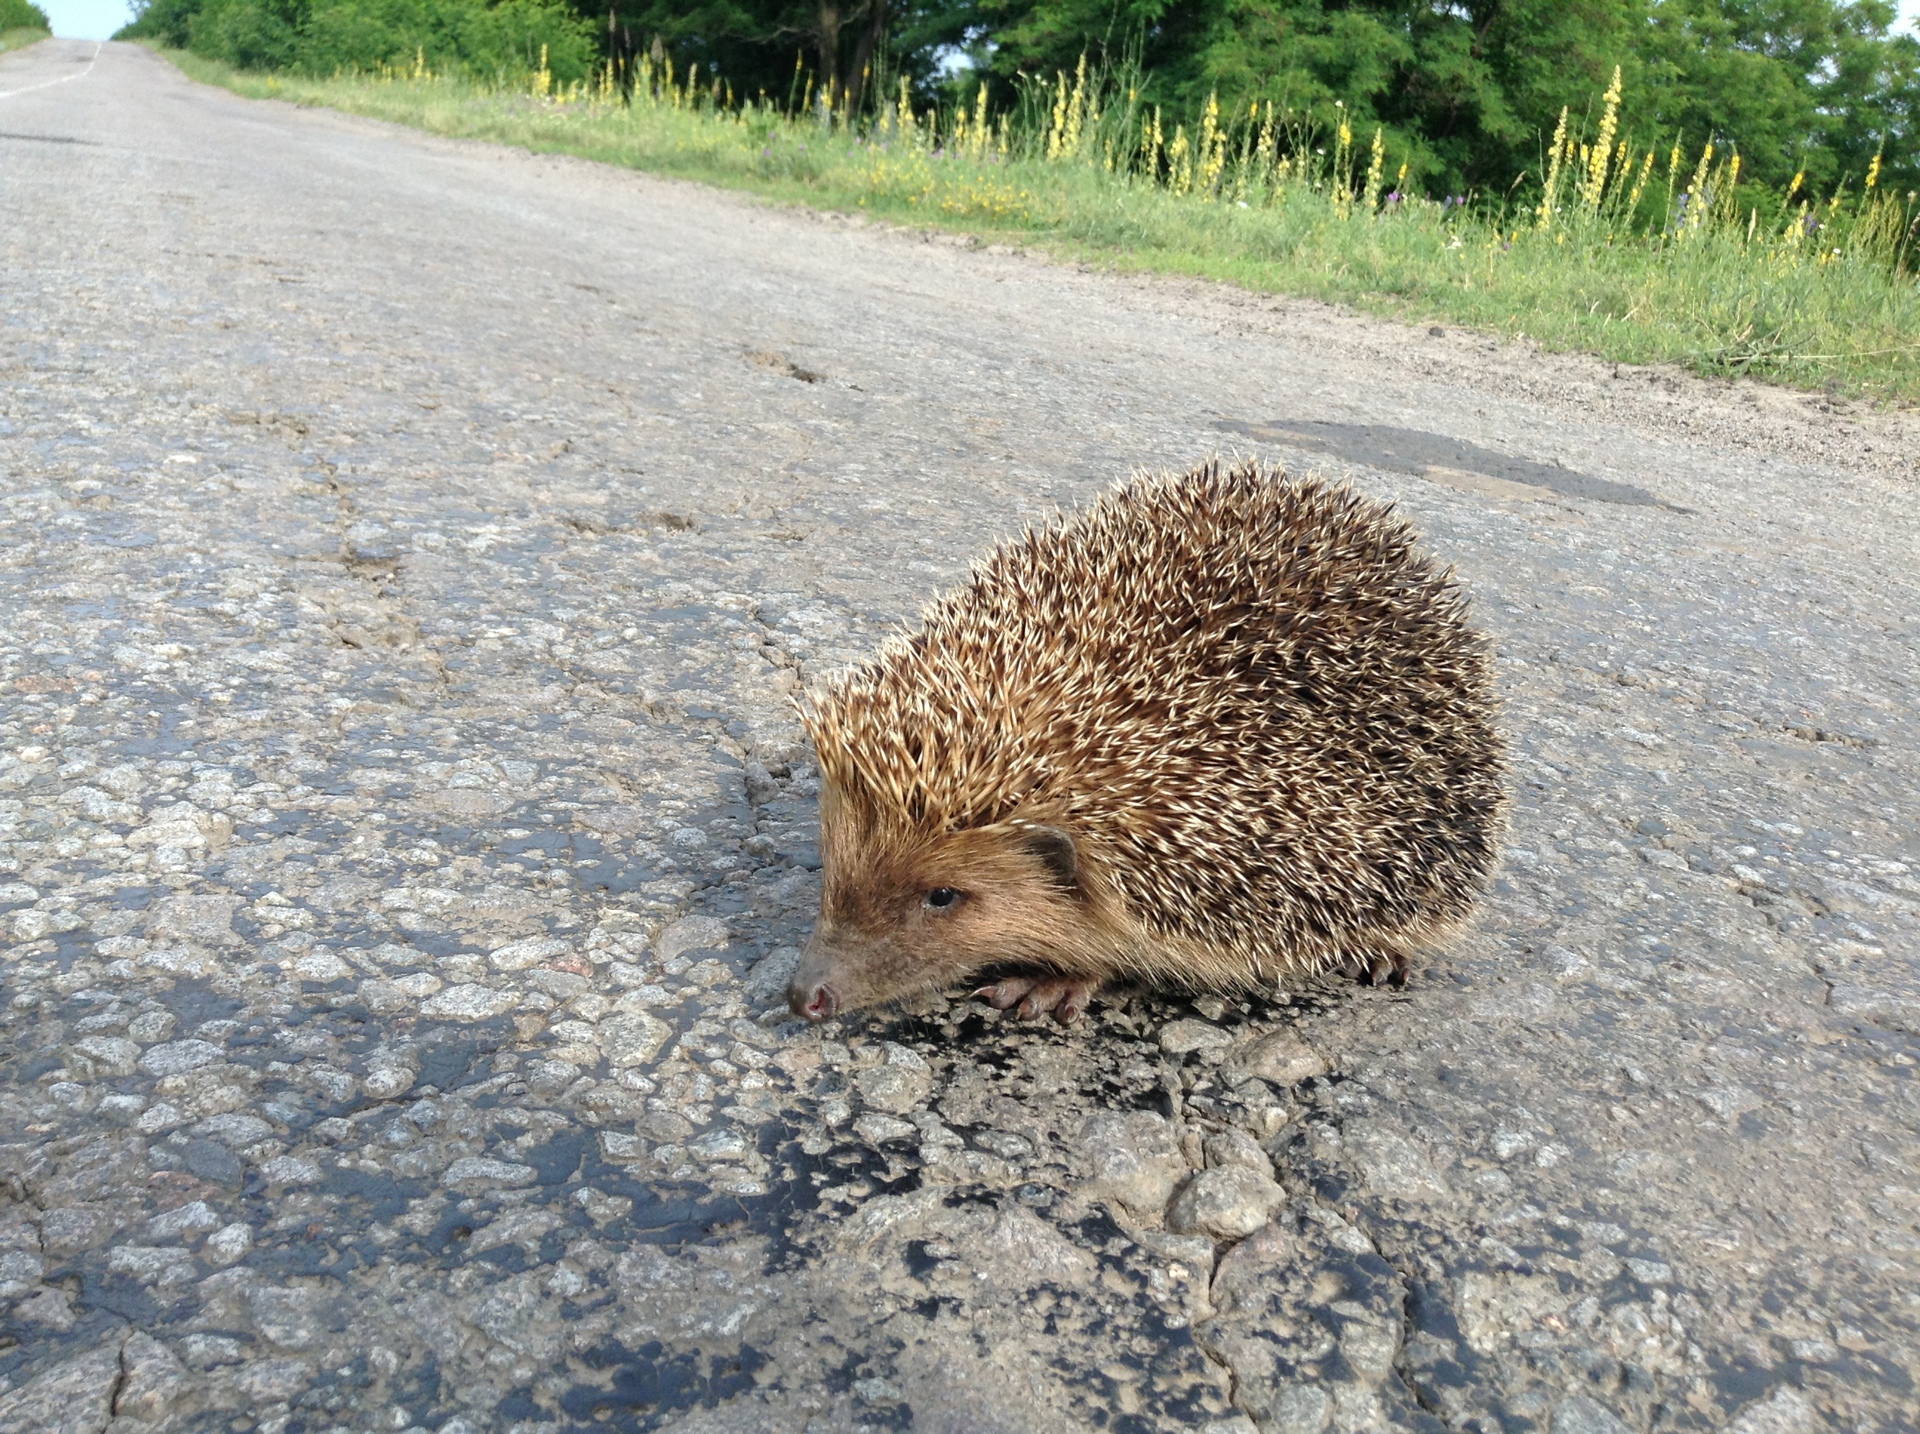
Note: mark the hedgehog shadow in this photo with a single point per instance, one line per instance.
(1120, 1023)
(1146, 1009)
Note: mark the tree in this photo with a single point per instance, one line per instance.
(22, 15)
(1794, 85)
(843, 45)
(1463, 90)
(1468, 90)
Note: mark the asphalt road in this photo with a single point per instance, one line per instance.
(409, 548)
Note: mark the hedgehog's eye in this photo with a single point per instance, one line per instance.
(942, 898)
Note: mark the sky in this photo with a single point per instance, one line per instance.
(97, 19)
(86, 19)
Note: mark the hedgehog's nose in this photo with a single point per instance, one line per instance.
(816, 1002)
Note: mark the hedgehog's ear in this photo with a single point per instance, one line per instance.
(1056, 848)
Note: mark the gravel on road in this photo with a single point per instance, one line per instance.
(409, 550)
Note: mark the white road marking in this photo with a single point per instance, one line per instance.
(25, 89)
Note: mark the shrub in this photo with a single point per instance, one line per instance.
(327, 37)
(249, 34)
(487, 41)
(22, 15)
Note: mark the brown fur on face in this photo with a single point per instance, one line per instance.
(1022, 893)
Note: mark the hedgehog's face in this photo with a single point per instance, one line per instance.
(902, 912)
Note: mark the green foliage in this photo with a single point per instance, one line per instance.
(321, 37)
(22, 23)
(504, 38)
(22, 15)
(858, 47)
(1813, 85)
(1466, 91)
(253, 34)
(164, 21)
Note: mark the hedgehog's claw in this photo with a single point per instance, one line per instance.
(1378, 967)
(1073, 1003)
(1002, 994)
(1066, 999)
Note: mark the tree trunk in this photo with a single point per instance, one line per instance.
(826, 40)
(863, 53)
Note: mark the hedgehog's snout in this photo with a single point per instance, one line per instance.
(813, 1000)
(811, 994)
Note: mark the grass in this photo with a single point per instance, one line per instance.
(1622, 255)
(22, 37)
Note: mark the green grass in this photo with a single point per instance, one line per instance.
(21, 38)
(1838, 310)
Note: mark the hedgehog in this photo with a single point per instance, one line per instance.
(1218, 732)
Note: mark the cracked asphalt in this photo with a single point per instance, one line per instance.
(409, 550)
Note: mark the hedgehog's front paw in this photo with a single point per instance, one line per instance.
(1036, 996)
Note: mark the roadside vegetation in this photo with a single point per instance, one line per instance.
(22, 23)
(1637, 252)
(498, 41)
